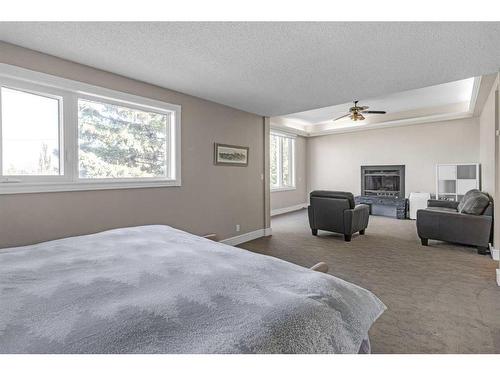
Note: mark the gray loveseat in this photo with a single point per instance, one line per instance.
(468, 222)
(335, 211)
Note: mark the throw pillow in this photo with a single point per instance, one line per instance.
(465, 197)
(476, 204)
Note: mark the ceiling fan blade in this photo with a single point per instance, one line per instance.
(338, 118)
(363, 108)
(378, 112)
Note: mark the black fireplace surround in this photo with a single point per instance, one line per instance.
(383, 181)
(383, 190)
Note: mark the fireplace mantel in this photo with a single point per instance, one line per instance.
(385, 206)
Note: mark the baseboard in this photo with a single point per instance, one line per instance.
(245, 237)
(495, 253)
(284, 210)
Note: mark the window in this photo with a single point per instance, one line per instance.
(30, 134)
(282, 157)
(58, 135)
(120, 142)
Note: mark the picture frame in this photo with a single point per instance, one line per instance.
(231, 155)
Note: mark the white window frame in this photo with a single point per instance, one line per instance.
(46, 92)
(68, 92)
(281, 186)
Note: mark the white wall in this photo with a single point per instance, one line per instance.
(283, 199)
(334, 161)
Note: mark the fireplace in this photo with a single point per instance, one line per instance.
(383, 181)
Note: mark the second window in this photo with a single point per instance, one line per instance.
(282, 155)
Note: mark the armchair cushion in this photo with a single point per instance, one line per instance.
(334, 194)
(442, 209)
(438, 203)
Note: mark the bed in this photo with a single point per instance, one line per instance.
(156, 289)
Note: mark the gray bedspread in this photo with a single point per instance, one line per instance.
(155, 289)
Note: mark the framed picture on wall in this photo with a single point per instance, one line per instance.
(230, 155)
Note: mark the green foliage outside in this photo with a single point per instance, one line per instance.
(119, 142)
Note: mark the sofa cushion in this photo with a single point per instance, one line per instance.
(467, 195)
(334, 194)
(442, 209)
(475, 204)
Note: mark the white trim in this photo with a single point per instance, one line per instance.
(70, 91)
(233, 241)
(495, 253)
(268, 232)
(291, 140)
(21, 188)
(283, 133)
(284, 188)
(31, 76)
(284, 210)
(498, 276)
(288, 129)
(50, 93)
(475, 92)
(309, 132)
(395, 123)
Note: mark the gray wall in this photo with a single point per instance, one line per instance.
(282, 199)
(487, 141)
(212, 199)
(334, 161)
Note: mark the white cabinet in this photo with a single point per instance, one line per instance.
(447, 172)
(454, 180)
(463, 186)
(417, 201)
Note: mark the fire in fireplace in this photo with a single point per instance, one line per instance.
(383, 180)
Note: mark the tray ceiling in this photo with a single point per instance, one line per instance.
(273, 68)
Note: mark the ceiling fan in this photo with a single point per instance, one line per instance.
(356, 113)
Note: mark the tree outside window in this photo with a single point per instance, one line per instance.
(282, 151)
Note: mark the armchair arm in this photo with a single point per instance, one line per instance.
(356, 219)
(312, 221)
(442, 203)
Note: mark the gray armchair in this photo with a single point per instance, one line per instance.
(335, 211)
(467, 222)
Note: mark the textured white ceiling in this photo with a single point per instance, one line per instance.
(274, 68)
(405, 101)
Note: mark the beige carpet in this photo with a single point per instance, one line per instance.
(440, 299)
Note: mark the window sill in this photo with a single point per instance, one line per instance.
(287, 188)
(24, 188)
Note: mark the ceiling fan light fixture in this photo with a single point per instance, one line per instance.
(357, 117)
(355, 113)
